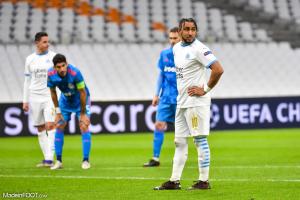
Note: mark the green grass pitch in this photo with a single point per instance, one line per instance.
(250, 165)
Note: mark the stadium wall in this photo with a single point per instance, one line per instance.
(139, 116)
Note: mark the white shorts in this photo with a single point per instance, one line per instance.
(42, 112)
(192, 121)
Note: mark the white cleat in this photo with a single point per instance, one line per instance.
(57, 165)
(44, 164)
(85, 165)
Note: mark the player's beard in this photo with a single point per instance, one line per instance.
(188, 39)
(62, 74)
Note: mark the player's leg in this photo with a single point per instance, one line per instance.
(181, 152)
(199, 119)
(164, 114)
(43, 142)
(49, 115)
(36, 115)
(85, 138)
(158, 139)
(203, 162)
(180, 157)
(59, 136)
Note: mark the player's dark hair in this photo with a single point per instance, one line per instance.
(183, 20)
(59, 58)
(174, 30)
(39, 35)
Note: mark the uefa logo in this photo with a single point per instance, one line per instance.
(214, 115)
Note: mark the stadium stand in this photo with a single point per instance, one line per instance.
(116, 21)
(128, 72)
(116, 43)
(278, 18)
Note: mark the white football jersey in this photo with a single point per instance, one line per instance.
(191, 62)
(36, 67)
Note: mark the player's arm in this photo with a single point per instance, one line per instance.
(155, 99)
(216, 73)
(27, 81)
(84, 120)
(54, 97)
(206, 57)
(82, 93)
(59, 120)
(160, 66)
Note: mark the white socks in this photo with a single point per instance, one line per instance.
(180, 157)
(203, 157)
(50, 148)
(181, 153)
(46, 140)
(43, 140)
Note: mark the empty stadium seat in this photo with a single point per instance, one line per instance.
(117, 21)
(246, 31)
(129, 71)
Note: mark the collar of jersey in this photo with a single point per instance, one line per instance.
(184, 44)
(44, 53)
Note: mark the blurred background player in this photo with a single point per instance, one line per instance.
(165, 96)
(36, 96)
(192, 58)
(75, 97)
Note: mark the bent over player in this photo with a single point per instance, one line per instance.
(75, 97)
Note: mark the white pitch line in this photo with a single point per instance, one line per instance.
(141, 178)
(169, 167)
(212, 167)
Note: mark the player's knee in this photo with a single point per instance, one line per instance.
(181, 141)
(83, 128)
(160, 126)
(200, 140)
(61, 126)
(181, 150)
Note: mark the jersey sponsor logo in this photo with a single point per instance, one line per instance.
(40, 73)
(169, 69)
(179, 73)
(71, 86)
(68, 94)
(207, 53)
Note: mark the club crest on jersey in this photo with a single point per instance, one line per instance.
(207, 53)
(71, 86)
(47, 61)
(187, 56)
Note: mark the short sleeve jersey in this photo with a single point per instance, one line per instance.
(36, 67)
(68, 85)
(191, 62)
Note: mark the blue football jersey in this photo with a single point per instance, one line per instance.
(68, 85)
(167, 66)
